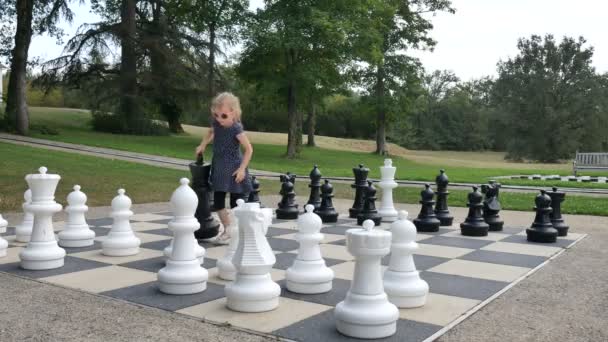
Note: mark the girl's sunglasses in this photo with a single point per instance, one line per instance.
(224, 116)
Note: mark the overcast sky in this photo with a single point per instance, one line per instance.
(473, 40)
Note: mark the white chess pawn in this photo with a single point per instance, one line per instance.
(402, 281)
(198, 250)
(183, 273)
(253, 289)
(309, 274)
(23, 231)
(387, 184)
(76, 232)
(225, 267)
(366, 311)
(3, 242)
(42, 251)
(121, 241)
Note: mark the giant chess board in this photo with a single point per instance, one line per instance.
(463, 273)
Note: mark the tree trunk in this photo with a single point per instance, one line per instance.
(211, 72)
(300, 130)
(129, 111)
(312, 121)
(292, 131)
(381, 115)
(161, 77)
(16, 104)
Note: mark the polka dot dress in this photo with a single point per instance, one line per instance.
(227, 158)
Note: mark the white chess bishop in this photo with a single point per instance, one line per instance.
(198, 250)
(76, 232)
(183, 273)
(402, 281)
(253, 289)
(387, 184)
(23, 231)
(121, 241)
(42, 251)
(309, 274)
(226, 269)
(3, 242)
(366, 311)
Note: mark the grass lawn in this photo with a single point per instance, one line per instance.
(100, 178)
(73, 128)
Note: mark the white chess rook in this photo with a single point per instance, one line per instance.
(23, 231)
(402, 281)
(366, 311)
(76, 232)
(253, 289)
(121, 241)
(183, 273)
(309, 274)
(387, 184)
(42, 251)
(3, 242)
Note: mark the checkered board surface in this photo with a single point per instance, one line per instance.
(464, 273)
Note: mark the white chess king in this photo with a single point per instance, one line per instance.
(387, 184)
(42, 251)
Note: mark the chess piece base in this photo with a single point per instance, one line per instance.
(252, 293)
(352, 212)
(405, 289)
(209, 228)
(379, 315)
(120, 244)
(328, 217)
(445, 219)
(474, 228)
(388, 215)
(182, 277)
(283, 214)
(22, 236)
(78, 237)
(427, 225)
(561, 227)
(309, 277)
(547, 235)
(309, 288)
(42, 256)
(120, 251)
(226, 270)
(76, 243)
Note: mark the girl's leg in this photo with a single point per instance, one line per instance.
(234, 197)
(219, 199)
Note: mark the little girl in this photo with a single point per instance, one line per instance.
(229, 166)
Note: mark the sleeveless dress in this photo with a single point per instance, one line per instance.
(227, 158)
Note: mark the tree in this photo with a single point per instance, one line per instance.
(552, 98)
(31, 17)
(400, 26)
(294, 46)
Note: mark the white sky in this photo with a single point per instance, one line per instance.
(473, 40)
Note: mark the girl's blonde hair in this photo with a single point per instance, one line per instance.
(230, 100)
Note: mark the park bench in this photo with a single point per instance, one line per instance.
(597, 161)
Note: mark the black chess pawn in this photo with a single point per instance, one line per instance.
(254, 195)
(491, 206)
(557, 197)
(369, 211)
(288, 209)
(474, 224)
(360, 185)
(426, 220)
(542, 230)
(441, 209)
(315, 188)
(326, 211)
(209, 227)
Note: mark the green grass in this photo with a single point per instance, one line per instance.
(73, 127)
(100, 178)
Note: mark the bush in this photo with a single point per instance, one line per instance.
(105, 122)
(110, 123)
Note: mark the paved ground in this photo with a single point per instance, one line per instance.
(565, 300)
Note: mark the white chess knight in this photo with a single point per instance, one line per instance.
(42, 251)
(387, 184)
(183, 273)
(226, 269)
(3, 242)
(121, 241)
(76, 232)
(309, 274)
(366, 311)
(253, 289)
(23, 231)
(402, 282)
